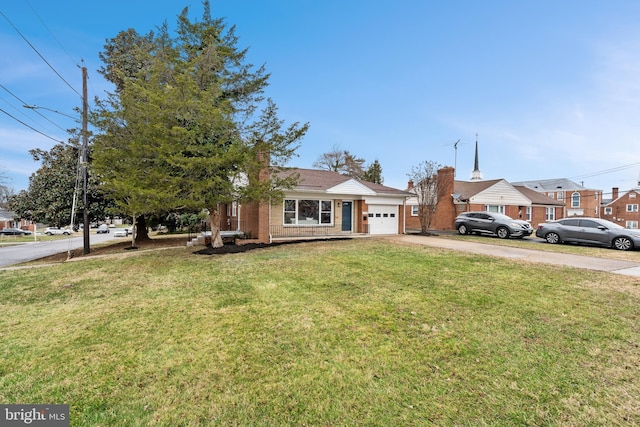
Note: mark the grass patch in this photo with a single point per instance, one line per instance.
(361, 332)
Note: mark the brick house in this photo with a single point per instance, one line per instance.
(496, 195)
(622, 209)
(323, 203)
(577, 199)
(7, 220)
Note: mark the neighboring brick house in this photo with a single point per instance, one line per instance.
(622, 209)
(577, 199)
(492, 195)
(324, 203)
(7, 220)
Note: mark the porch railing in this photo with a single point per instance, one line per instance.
(281, 231)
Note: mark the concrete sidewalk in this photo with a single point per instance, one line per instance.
(577, 261)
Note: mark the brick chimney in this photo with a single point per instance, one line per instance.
(614, 193)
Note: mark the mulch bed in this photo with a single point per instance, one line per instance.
(235, 249)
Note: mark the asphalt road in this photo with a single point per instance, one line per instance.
(578, 261)
(15, 254)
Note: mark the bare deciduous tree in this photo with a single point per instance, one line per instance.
(341, 161)
(427, 190)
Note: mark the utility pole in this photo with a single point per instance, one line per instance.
(85, 162)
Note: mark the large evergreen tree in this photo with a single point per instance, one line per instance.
(182, 128)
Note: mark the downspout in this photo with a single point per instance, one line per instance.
(269, 223)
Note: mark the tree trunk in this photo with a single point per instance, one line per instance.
(142, 233)
(216, 238)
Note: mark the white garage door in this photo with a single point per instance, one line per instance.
(383, 219)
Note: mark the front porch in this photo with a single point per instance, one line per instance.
(288, 232)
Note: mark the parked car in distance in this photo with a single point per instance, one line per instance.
(120, 232)
(589, 231)
(50, 231)
(492, 223)
(14, 232)
(103, 229)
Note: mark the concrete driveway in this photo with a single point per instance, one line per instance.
(578, 261)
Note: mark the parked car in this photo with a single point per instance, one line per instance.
(50, 231)
(15, 232)
(120, 232)
(492, 223)
(103, 229)
(589, 231)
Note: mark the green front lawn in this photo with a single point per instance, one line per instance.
(361, 332)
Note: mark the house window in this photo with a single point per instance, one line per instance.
(234, 209)
(608, 211)
(575, 200)
(632, 208)
(560, 195)
(308, 212)
(551, 195)
(632, 224)
(528, 213)
(632, 195)
(494, 208)
(414, 210)
(550, 214)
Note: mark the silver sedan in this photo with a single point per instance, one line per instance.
(589, 231)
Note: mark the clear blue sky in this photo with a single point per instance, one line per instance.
(551, 88)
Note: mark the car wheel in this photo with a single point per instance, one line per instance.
(623, 243)
(463, 229)
(503, 233)
(552, 238)
(48, 234)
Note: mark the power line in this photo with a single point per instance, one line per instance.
(39, 54)
(49, 31)
(37, 112)
(31, 127)
(606, 171)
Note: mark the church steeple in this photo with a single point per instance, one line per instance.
(476, 175)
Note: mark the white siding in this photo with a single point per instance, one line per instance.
(501, 193)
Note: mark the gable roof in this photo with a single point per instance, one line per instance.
(537, 198)
(551, 184)
(464, 190)
(488, 192)
(315, 180)
(6, 215)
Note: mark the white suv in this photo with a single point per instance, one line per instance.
(50, 231)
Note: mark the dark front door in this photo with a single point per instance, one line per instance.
(347, 216)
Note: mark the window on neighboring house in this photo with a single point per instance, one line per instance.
(632, 208)
(234, 209)
(597, 195)
(494, 208)
(608, 211)
(632, 195)
(560, 195)
(528, 214)
(414, 210)
(308, 212)
(552, 195)
(575, 200)
(632, 224)
(550, 214)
